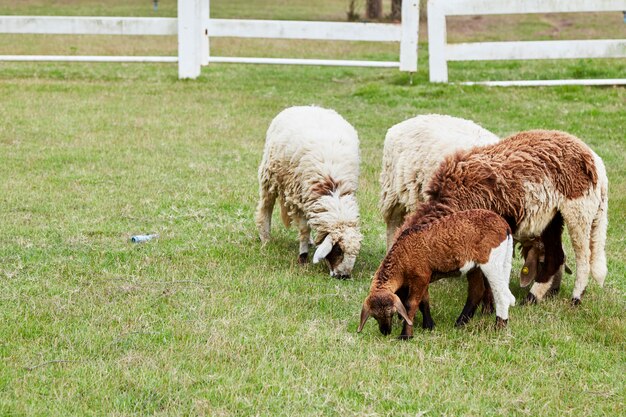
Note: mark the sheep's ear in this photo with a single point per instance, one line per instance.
(529, 270)
(323, 250)
(400, 307)
(567, 269)
(365, 314)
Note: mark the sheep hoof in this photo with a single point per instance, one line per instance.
(576, 302)
(462, 320)
(530, 299)
(488, 308)
(303, 258)
(405, 337)
(428, 325)
(501, 323)
(264, 238)
(553, 292)
(342, 277)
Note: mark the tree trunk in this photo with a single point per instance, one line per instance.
(396, 10)
(374, 9)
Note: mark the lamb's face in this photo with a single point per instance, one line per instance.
(383, 306)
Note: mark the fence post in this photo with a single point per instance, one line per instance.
(204, 46)
(410, 30)
(437, 42)
(189, 38)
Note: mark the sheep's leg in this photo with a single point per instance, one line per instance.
(412, 303)
(487, 300)
(305, 240)
(424, 306)
(541, 290)
(395, 220)
(537, 292)
(556, 282)
(497, 270)
(554, 258)
(598, 242)
(263, 215)
(579, 235)
(475, 291)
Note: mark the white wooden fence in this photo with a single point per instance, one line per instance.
(194, 29)
(440, 52)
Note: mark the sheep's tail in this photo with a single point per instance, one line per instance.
(598, 237)
(284, 214)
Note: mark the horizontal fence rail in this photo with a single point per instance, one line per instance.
(546, 83)
(87, 58)
(490, 51)
(237, 28)
(65, 25)
(194, 28)
(295, 61)
(485, 7)
(440, 52)
(284, 29)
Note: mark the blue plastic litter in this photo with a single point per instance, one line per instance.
(142, 238)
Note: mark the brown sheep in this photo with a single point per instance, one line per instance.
(459, 242)
(536, 180)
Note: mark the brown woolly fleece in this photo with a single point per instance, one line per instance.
(493, 176)
(425, 214)
(537, 181)
(327, 186)
(441, 245)
(423, 253)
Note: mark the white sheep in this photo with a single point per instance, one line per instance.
(412, 152)
(311, 164)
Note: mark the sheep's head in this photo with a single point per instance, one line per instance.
(382, 306)
(339, 250)
(534, 255)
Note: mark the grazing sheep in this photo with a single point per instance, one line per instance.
(412, 152)
(533, 251)
(459, 242)
(536, 180)
(311, 163)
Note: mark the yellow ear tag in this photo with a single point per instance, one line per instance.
(525, 270)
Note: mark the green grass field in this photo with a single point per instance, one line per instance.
(202, 320)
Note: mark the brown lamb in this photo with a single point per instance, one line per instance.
(458, 242)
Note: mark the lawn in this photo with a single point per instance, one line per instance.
(202, 320)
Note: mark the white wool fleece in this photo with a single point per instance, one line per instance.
(413, 151)
(306, 149)
(305, 145)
